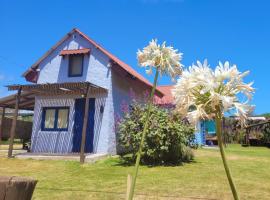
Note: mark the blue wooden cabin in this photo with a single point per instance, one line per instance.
(205, 132)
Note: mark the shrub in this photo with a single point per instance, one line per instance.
(166, 141)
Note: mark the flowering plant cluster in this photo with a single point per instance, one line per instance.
(164, 58)
(200, 89)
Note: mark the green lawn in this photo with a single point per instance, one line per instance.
(106, 179)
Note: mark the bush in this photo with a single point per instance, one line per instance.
(166, 141)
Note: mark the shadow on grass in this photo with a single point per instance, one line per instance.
(120, 193)
(127, 161)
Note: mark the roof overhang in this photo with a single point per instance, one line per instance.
(27, 101)
(29, 91)
(74, 52)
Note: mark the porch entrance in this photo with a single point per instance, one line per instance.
(78, 125)
(25, 99)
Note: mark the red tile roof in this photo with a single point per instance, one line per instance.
(167, 98)
(74, 51)
(31, 74)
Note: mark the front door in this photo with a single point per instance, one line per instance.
(78, 125)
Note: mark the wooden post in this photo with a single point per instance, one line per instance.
(85, 120)
(16, 188)
(1, 123)
(14, 123)
(247, 136)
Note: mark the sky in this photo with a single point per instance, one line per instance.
(237, 31)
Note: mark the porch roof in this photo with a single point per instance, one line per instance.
(29, 91)
(27, 101)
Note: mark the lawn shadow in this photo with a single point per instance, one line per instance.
(121, 194)
(128, 162)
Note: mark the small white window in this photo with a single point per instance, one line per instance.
(75, 65)
(55, 119)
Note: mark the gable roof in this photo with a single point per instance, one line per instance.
(32, 70)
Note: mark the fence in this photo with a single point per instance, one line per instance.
(23, 129)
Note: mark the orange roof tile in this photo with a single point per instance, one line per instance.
(167, 98)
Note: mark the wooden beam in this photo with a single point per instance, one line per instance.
(12, 100)
(259, 124)
(1, 123)
(14, 123)
(85, 120)
(26, 104)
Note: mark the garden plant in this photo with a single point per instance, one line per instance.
(203, 93)
(167, 141)
(165, 60)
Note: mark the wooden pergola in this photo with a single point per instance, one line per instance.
(25, 99)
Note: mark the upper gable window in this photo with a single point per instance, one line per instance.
(75, 65)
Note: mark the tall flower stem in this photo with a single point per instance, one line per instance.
(222, 152)
(145, 127)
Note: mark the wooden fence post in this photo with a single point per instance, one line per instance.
(247, 136)
(1, 124)
(13, 188)
(14, 123)
(85, 120)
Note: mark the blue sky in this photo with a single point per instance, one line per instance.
(237, 31)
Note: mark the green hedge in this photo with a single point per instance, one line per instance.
(167, 139)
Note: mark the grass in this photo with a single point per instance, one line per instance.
(202, 179)
(4, 144)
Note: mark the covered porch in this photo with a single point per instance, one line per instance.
(28, 95)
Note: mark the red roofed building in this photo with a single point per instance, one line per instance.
(167, 99)
(77, 74)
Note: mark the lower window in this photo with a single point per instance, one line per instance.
(55, 119)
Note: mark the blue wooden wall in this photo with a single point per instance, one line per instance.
(202, 128)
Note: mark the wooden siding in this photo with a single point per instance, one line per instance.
(51, 141)
(61, 141)
(98, 118)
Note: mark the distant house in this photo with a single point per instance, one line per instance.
(76, 70)
(167, 99)
(204, 129)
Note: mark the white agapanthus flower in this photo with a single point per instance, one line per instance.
(200, 89)
(164, 58)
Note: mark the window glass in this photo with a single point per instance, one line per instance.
(62, 121)
(75, 65)
(49, 118)
(55, 119)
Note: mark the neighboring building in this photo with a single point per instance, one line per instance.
(73, 69)
(204, 128)
(167, 99)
